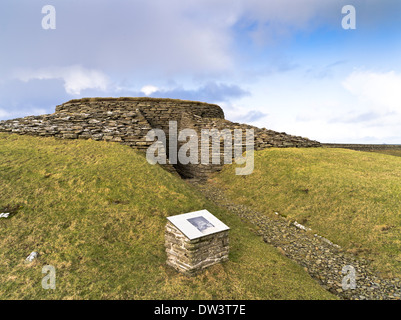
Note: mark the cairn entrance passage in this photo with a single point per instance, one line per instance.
(127, 121)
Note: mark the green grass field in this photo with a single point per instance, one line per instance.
(96, 211)
(350, 197)
(390, 152)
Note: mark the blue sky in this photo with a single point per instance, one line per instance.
(285, 65)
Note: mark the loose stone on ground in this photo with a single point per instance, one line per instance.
(321, 258)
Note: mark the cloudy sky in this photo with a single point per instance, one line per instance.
(286, 65)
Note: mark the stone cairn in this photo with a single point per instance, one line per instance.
(192, 256)
(128, 120)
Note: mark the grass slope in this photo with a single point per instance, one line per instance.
(390, 152)
(96, 211)
(353, 198)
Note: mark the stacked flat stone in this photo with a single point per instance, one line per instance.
(192, 256)
(128, 120)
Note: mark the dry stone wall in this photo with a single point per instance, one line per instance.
(192, 256)
(263, 138)
(128, 120)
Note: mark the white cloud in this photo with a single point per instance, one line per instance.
(273, 21)
(381, 91)
(3, 114)
(154, 37)
(76, 78)
(149, 89)
(367, 111)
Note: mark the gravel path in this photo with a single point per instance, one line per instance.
(322, 259)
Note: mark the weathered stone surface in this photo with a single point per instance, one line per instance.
(192, 256)
(128, 120)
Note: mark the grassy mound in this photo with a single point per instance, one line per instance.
(96, 211)
(353, 198)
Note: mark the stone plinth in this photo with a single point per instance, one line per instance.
(195, 241)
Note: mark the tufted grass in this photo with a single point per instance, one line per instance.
(351, 197)
(96, 211)
(391, 152)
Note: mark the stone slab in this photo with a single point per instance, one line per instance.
(197, 224)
